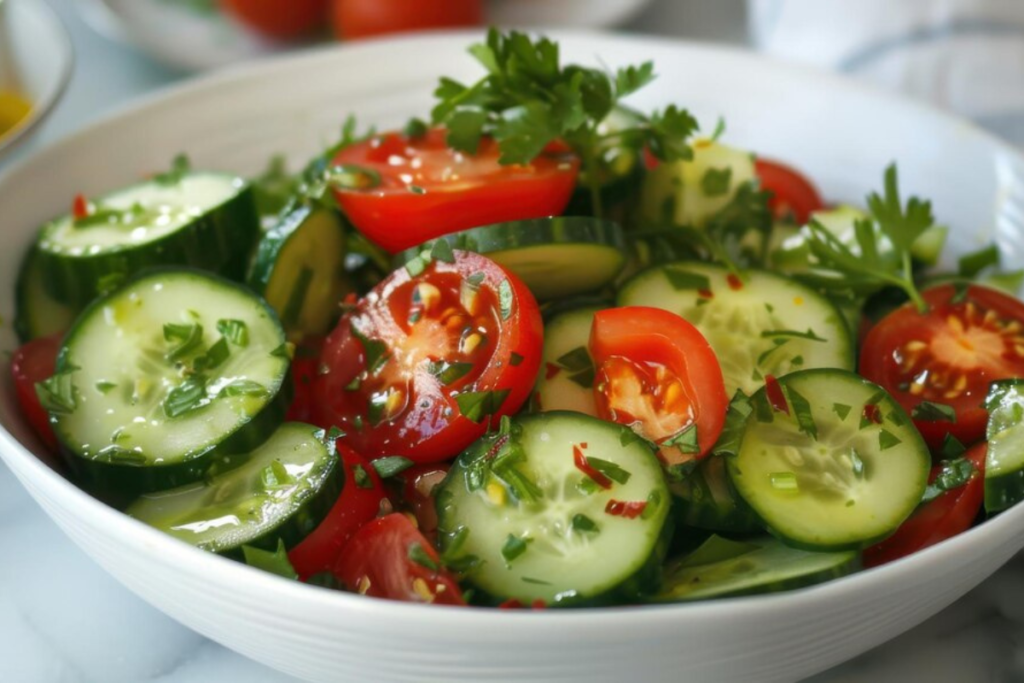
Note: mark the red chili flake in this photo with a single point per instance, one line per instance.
(705, 294)
(350, 299)
(872, 413)
(628, 509)
(551, 370)
(583, 445)
(776, 399)
(735, 283)
(539, 604)
(584, 466)
(80, 207)
(511, 603)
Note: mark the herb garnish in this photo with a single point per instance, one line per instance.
(954, 474)
(275, 562)
(391, 465)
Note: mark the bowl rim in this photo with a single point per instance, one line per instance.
(522, 623)
(42, 109)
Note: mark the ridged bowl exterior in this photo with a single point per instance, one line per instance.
(841, 134)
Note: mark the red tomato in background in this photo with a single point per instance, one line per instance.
(793, 195)
(416, 494)
(304, 368)
(364, 18)
(657, 373)
(951, 513)
(397, 365)
(427, 189)
(382, 560)
(359, 503)
(34, 362)
(279, 19)
(948, 355)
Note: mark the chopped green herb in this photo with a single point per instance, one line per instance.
(926, 411)
(609, 469)
(575, 360)
(442, 251)
(243, 387)
(286, 351)
(185, 397)
(275, 475)
(515, 359)
(104, 386)
(953, 475)
(809, 334)
(189, 338)
(682, 279)
(180, 167)
(416, 189)
(449, 372)
(802, 412)
(275, 562)
(538, 582)
(735, 424)
(235, 331)
(416, 265)
(362, 477)
(716, 181)
(513, 548)
(719, 130)
(375, 351)
(951, 448)
(421, 557)
(584, 378)
(475, 279)
(57, 394)
(887, 440)
(970, 265)
(214, 356)
(476, 405)
(784, 481)
(685, 441)
(391, 465)
(334, 433)
(415, 128)
(352, 177)
(354, 384)
(583, 524)
(505, 299)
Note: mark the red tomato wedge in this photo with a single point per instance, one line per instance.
(951, 513)
(793, 195)
(423, 363)
(390, 558)
(427, 189)
(359, 503)
(34, 362)
(278, 19)
(416, 494)
(947, 357)
(304, 367)
(364, 18)
(657, 373)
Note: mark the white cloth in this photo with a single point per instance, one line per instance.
(965, 55)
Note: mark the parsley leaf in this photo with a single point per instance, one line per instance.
(275, 562)
(953, 475)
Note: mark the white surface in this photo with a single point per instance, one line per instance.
(186, 39)
(37, 54)
(64, 620)
(236, 120)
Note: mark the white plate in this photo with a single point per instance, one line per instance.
(195, 41)
(40, 54)
(842, 134)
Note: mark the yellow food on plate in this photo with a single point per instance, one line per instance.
(13, 110)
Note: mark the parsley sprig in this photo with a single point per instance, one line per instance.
(900, 224)
(528, 100)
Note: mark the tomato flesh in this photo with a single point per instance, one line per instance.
(794, 197)
(365, 18)
(34, 362)
(656, 373)
(415, 352)
(948, 355)
(362, 499)
(382, 559)
(951, 513)
(416, 494)
(278, 19)
(304, 368)
(427, 189)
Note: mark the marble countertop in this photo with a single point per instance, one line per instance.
(64, 620)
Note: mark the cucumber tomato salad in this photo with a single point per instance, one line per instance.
(537, 348)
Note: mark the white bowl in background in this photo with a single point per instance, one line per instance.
(842, 134)
(42, 61)
(184, 38)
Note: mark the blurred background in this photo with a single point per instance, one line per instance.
(966, 55)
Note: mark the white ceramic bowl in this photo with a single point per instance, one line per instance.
(840, 133)
(41, 60)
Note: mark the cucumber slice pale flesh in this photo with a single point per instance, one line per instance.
(566, 377)
(1004, 462)
(38, 314)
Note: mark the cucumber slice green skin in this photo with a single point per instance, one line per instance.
(300, 269)
(556, 257)
(38, 314)
(562, 564)
(118, 439)
(825, 477)
(219, 240)
(1004, 462)
(252, 513)
(754, 328)
(572, 387)
(751, 567)
(706, 499)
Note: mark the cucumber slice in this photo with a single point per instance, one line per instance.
(156, 379)
(841, 466)
(517, 506)
(555, 257)
(566, 377)
(706, 499)
(300, 269)
(1004, 462)
(38, 313)
(283, 491)
(763, 324)
(202, 220)
(692, 191)
(722, 568)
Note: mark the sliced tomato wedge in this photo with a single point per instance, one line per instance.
(426, 189)
(279, 19)
(360, 502)
(970, 337)
(365, 18)
(416, 494)
(422, 364)
(794, 196)
(34, 362)
(951, 513)
(390, 558)
(304, 368)
(656, 373)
